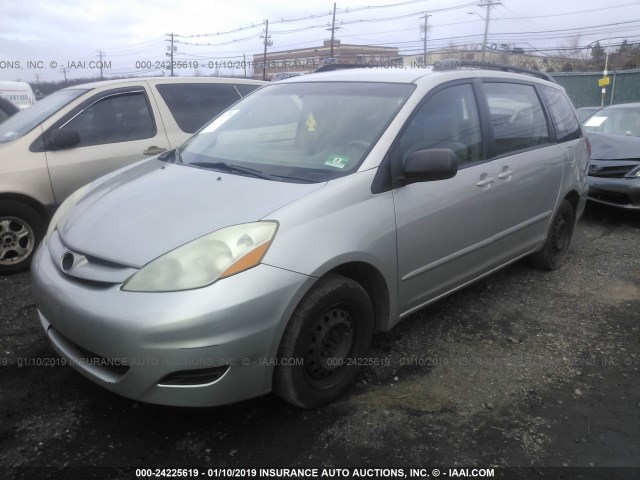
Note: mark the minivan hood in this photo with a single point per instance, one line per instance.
(143, 212)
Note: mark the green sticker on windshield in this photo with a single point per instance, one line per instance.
(337, 161)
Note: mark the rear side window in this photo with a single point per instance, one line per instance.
(195, 104)
(564, 118)
(115, 118)
(517, 117)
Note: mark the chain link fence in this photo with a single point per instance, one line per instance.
(583, 89)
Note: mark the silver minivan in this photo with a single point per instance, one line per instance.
(80, 133)
(264, 253)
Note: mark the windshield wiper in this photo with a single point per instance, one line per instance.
(299, 179)
(226, 167)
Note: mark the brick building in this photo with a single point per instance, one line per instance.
(307, 59)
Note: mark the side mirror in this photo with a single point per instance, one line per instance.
(61, 139)
(430, 165)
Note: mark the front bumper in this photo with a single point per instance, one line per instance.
(616, 192)
(135, 343)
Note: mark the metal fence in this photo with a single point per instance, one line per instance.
(583, 89)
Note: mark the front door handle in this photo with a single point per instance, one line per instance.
(485, 181)
(153, 150)
(505, 174)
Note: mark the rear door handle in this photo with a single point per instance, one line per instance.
(153, 150)
(505, 174)
(485, 181)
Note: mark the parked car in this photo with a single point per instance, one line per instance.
(614, 169)
(264, 253)
(585, 112)
(7, 109)
(284, 75)
(18, 93)
(78, 134)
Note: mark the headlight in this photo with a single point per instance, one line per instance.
(203, 261)
(64, 208)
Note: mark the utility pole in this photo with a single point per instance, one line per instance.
(171, 49)
(100, 53)
(424, 49)
(488, 4)
(333, 29)
(64, 72)
(244, 64)
(333, 32)
(267, 42)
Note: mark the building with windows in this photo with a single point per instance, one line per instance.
(308, 59)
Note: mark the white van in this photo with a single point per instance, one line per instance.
(18, 93)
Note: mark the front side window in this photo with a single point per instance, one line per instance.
(304, 132)
(564, 118)
(195, 104)
(115, 118)
(26, 120)
(449, 119)
(517, 117)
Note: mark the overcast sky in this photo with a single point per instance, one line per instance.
(54, 35)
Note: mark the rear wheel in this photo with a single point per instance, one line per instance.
(21, 230)
(330, 330)
(556, 247)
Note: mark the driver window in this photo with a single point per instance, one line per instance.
(115, 118)
(448, 119)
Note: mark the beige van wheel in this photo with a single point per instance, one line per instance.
(21, 230)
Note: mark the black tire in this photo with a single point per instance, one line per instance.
(556, 247)
(329, 331)
(21, 230)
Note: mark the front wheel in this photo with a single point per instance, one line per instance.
(329, 332)
(556, 246)
(21, 230)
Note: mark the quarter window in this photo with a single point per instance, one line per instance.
(564, 118)
(116, 118)
(245, 88)
(448, 119)
(517, 117)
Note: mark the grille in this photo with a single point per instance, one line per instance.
(113, 369)
(618, 171)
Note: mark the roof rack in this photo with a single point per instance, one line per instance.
(455, 64)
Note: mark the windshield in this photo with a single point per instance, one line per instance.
(24, 121)
(299, 132)
(617, 121)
